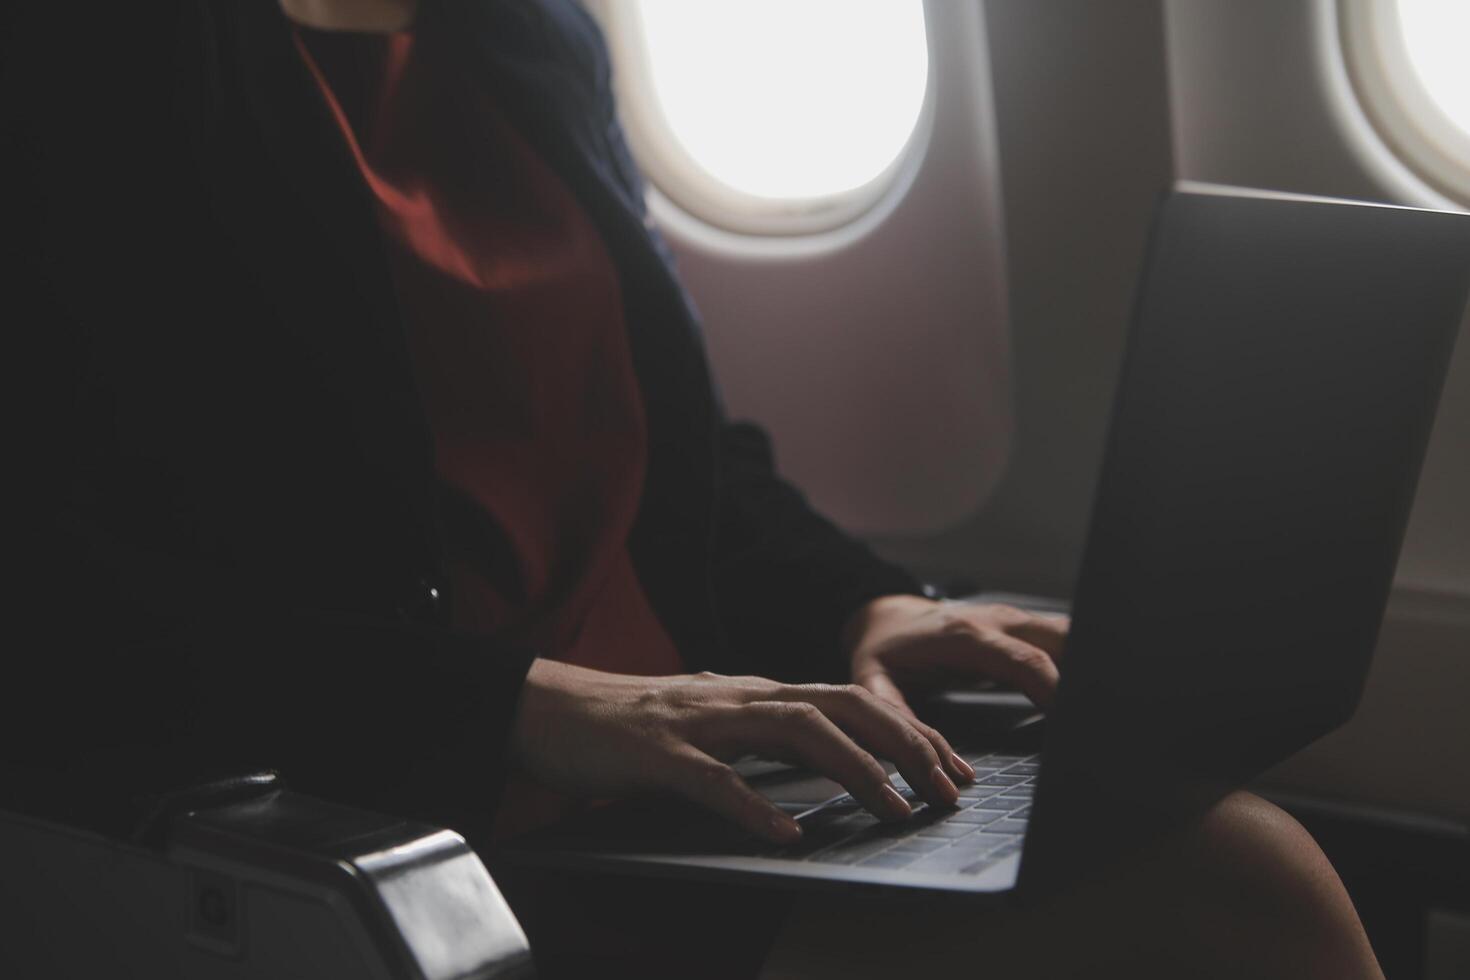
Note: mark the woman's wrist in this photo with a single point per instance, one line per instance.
(873, 614)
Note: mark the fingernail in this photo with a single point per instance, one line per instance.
(895, 803)
(785, 828)
(945, 785)
(964, 767)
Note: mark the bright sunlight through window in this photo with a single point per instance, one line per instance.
(1435, 34)
(788, 99)
(1406, 59)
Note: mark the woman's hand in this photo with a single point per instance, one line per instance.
(590, 733)
(904, 642)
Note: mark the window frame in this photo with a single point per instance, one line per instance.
(692, 189)
(1395, 101)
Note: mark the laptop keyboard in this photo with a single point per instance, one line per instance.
(986, 825)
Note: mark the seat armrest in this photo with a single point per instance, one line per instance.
(256, 881)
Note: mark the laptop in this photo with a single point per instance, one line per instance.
(1278, 389)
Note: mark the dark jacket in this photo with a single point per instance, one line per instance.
(231, 543)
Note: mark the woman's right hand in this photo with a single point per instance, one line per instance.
(589, 733)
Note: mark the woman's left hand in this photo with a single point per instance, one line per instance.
(903, 642)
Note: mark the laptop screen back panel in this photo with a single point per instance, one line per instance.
(1279, 388)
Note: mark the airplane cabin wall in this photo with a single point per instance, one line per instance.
(1083, 132)
(876, 353)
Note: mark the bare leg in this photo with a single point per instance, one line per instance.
(1246, 892)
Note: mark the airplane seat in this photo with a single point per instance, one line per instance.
(241, 879)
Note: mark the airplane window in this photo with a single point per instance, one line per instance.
(1408, 65)
(1435, 33)
(771, 115)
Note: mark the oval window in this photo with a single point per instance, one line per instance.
(771, 115)
(1408, 64)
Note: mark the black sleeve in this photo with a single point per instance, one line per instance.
(786, 579)
(143, 672)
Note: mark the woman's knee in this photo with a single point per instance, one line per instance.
(1268, 885)
(1253, 850)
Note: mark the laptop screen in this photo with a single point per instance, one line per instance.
(1279, 387)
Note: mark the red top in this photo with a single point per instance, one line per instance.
(515, 325)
